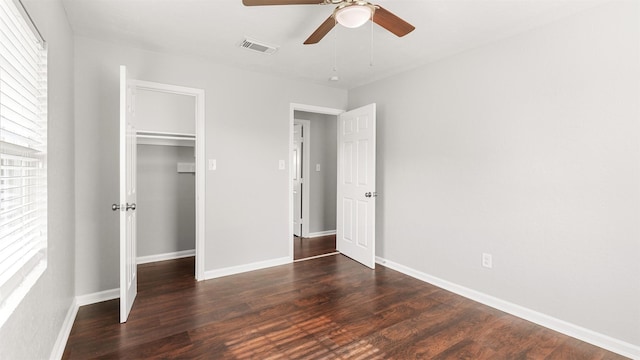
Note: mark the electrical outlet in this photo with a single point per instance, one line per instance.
(487, 260)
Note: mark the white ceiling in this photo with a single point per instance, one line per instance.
(213, 29)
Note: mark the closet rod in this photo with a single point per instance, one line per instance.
(192, 138)
(165, 135)
(164, 138)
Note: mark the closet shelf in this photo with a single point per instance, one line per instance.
(165, 138)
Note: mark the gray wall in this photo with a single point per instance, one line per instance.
(526, 148)
(30, 333)
(166, 200)
(246, 141)
(322, 184)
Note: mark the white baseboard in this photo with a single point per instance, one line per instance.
(322, 233)
(561, 326)
(89, 299)
(67, 324)
(65, 330)
(317, 256)
(232, 270)
(163, 257)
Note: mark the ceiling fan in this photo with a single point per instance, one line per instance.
(349, 13)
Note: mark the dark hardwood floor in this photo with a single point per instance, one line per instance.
(309, 247)
(325, 308)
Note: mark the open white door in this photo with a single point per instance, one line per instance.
(297, 179)
(356, 207)
(127, 206)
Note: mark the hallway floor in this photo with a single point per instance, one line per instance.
(309, 247)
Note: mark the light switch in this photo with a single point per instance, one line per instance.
(317, 167)
(212, 164)
(281, 164)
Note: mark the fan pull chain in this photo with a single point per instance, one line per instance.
(371, 48)
(335, 47)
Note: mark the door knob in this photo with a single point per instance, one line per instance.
(370, 194)
(131, 206)
(115, 207)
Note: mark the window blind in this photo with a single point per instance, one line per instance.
(23, 156)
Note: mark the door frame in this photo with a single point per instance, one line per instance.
(292, 109)
(199, 98)
(306, 173)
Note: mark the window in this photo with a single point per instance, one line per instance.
(23, 156)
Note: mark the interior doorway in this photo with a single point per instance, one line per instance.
(165, 124)
(191, 115)
(313, 181)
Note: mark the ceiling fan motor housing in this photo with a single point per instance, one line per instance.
(353, 15)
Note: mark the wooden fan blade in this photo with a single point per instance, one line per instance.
(391, 22)
(281, 2)
(321, 31)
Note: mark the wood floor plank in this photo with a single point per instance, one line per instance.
(325, 308)
(174, 346)
(433, 344)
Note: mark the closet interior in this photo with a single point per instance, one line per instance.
(165, 134)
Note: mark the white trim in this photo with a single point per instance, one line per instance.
(88, 299)
(306, 175)
(167, 88)
(65, 331)
(292, 108)
(200, 185)
(561, 326)
(199, 96)
(232, 270)
(167, 256)
(317, 256)
(70, 318)
(321, 233)
(315, 109)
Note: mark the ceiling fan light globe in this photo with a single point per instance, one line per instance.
(353, 16)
